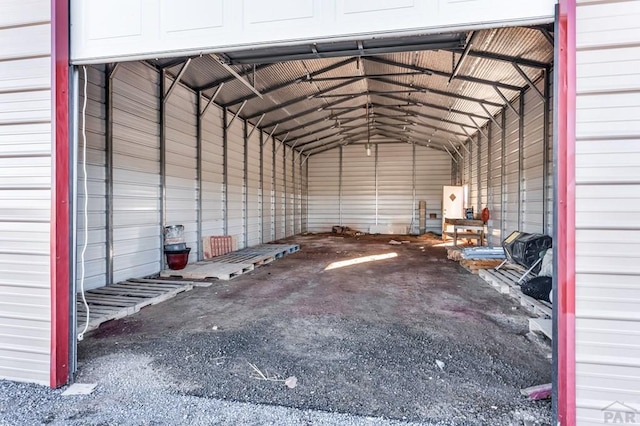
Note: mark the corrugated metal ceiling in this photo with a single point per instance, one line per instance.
(319, 98)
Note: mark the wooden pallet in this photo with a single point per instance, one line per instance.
(117, 301)
(505, 281)
(475, 266)
(233, 264)
(210, 270)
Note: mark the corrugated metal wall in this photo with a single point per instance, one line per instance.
(236, 182)
(607, 241)
(532, 196)
(240, 202)
(395, 184)
(25, 190)
(358, 187)
(280, 201)
(433, 170)
(495, 188)
(213, 190)
(254, 190)
(324, 193)
(95, 131)
(511, 187)
(268, 210)
(136, 171)
(181, 157)
(509, 176)
(360, 195)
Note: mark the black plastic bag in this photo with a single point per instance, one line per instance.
(538, 288)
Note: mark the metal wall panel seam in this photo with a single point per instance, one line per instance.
(521, 200)
(294, 192)
(245, 183)
(199, 174)
(479, 172)
(340, 187)
(413, 186)
(262, 240)
(503, 181)
(545, 151)
(490, 193)
(375, 171)
(110, 72)
(163, 166)
(225, 171)
(285, 189)
(274, 189)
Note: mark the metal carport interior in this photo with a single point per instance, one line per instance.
(438, 91)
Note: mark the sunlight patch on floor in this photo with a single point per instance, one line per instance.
(358, 260)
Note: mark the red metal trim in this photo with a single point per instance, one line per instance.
(60, 264)
(566, 213)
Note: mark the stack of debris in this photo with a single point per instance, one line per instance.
(474, 259)
(345, 230)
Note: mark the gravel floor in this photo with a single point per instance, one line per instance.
(416, 339)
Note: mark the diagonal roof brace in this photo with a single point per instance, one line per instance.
(439, 92)
(176, 81)
(236, 75)
(300, 99)
(282, 85)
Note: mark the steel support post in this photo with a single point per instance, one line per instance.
(163, 166)
(245, 184)
(225, 171)
(545, 151)
(340, 188)
(262, 187)
(520, 159)
(199, 175)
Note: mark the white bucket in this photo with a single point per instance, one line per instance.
(173, 234)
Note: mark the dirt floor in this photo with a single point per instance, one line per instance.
(413, 337)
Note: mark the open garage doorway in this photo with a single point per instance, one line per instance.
(274, 143)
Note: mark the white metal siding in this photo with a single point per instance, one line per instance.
(483, 173)
(212, 172)
(280, 222)
(289, 190)
(181, 164)
(153, 28)
(25, 190)
(254, 194)
(607, 206)
(533, 160)
(297, 195)
(395, 181)
(473, 173)
(136, 172)
(433, 171)
(95, 128)
(304, 195)
(323, 183)
(495, 188)
(354, 197)
(268, 213)
(358, 188)
(511, 186)
(235, 181)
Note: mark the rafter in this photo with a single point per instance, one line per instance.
(287, 83)
(440, 92)
(300, 99)
(232, 78)
(430, 71)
